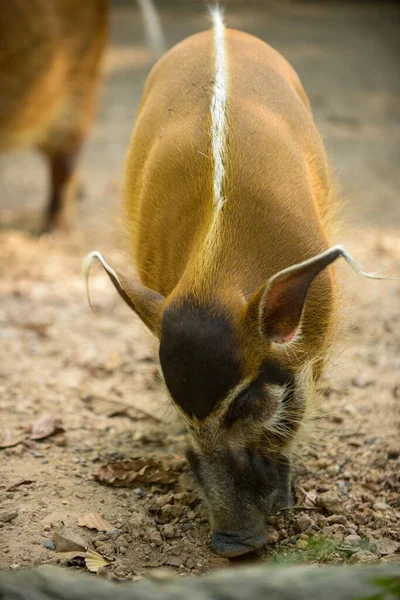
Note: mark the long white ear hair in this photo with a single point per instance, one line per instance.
(146, 303)
(153, 29)
(280, 301)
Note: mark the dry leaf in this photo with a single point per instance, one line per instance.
(177, 560)
(95, 521)
(68, 559)
(67, 541)
(45, 426)
(114, 408)
(135, 472)
(19, 483)
(104, 406)
(94, 561)
(8, 439)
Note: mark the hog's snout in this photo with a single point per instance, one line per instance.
(236, 543)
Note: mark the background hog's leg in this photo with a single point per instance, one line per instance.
(67, 132)
(64, 191)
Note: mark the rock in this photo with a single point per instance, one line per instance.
(394, 452)
(352, 539)
(381, 461)
(385, 546)
(337, 519)
(381, 506)
(172, 511)
(49, 545)
(301, 544)
(163, 500)
(310, 499)
(271, 535)
(391, 558)
(363, 556)
(6, 516)
(303, 522)
(342, 487)
(178, 560)
(362, 380)
(168, 531)
(186, 498)
(156, 538)
(136, 520)
(331, 502)
(256, 582)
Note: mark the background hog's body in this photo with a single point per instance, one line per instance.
(49, 70)
(276, 186)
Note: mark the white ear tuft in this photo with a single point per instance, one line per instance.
(86, 265)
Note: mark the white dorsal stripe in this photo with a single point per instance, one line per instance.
(219, 104)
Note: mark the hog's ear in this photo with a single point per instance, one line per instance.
(278, 305)
(145, 302)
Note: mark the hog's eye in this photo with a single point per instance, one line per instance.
(241, 406)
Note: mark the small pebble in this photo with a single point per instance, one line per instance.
(301, 544)
(339, 519)
(271, 535)
(331, 502)
(303, 522)
(352, 539)
(363, 556)
(169, 531)
(6, 516)
(156, 538)
(380, 506)
(49, 545)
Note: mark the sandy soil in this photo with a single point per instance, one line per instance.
(60, 360)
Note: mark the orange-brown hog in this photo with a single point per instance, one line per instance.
(228, 202)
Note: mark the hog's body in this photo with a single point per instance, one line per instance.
(228, 207)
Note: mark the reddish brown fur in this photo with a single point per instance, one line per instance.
(226, 315)
(49, 71)
(278, 184)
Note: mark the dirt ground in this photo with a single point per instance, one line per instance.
(60, 360)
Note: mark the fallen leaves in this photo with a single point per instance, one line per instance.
(94, 561)
(138, 471)
(113, 408)
(73, 551)
(8, 439)
(46, 425)
(95, 521)
(66, 541)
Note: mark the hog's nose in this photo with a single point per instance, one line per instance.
(236, 543)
